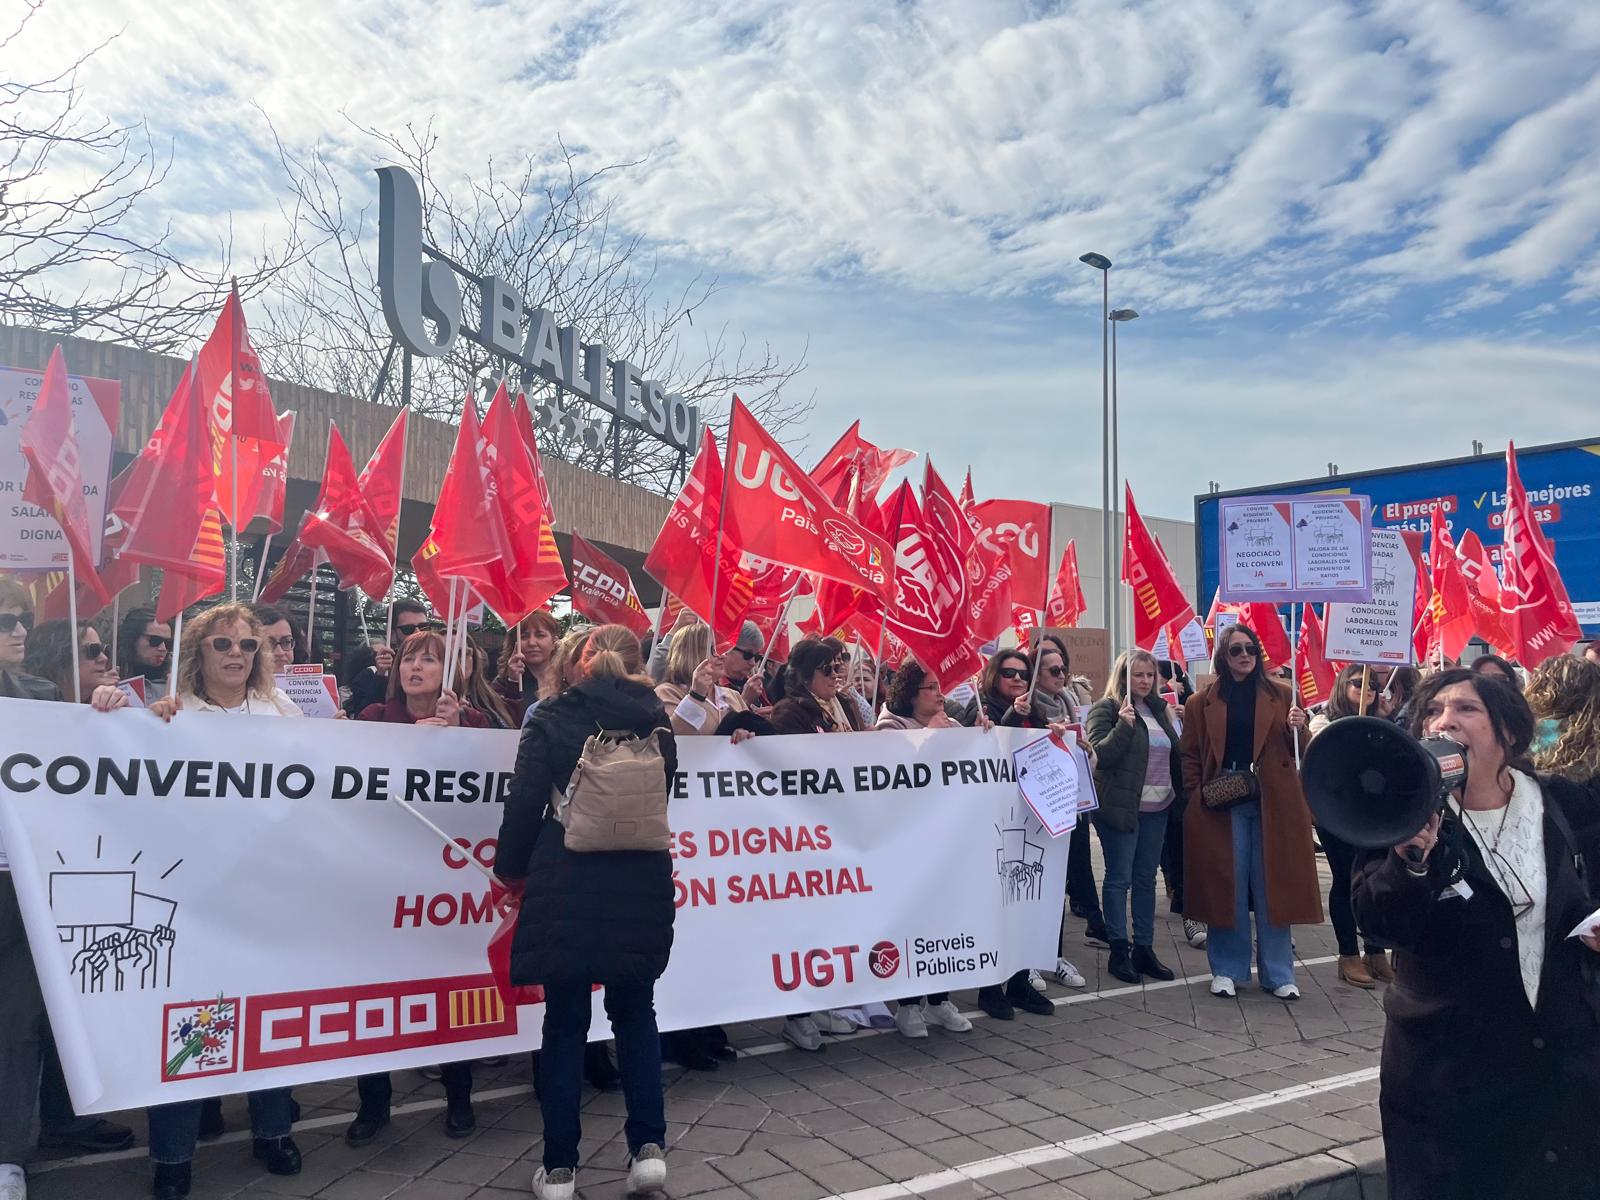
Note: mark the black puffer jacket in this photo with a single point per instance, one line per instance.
(586, 918)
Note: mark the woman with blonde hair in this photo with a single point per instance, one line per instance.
(603, 917)
(1138, 777)
(1564, 693)
(223, 667)
(688, 689)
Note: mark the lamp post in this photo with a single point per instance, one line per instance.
(1103, 264)
(1116, 317)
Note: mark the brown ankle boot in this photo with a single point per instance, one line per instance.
(1354, 972)
(1379, 968)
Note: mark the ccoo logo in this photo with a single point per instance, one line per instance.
(883, 959)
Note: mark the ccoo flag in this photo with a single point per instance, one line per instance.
(603, 591)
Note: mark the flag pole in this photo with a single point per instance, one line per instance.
(781, 624)
(261, 567)
(311, 609)
(877, 662)
(233, 504)
(116, 621)
(451, 629)
(177, 643)
(443, 836)
(1366, 680)
(72, 606)
(716, 568)
(1294, 675)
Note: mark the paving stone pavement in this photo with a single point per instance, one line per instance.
(1123, 1092)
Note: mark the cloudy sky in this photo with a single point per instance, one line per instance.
(1365, 233)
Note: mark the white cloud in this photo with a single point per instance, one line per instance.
(1224, 153)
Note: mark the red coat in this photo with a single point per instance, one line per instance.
(1294, 896)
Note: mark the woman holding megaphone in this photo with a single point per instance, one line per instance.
(1491, 1055)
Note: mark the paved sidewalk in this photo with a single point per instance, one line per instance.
(1123, 1092)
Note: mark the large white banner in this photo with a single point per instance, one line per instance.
(228, 903)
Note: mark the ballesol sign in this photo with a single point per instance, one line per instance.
(422, 303)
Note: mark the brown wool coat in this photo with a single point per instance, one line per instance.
(1293, 895)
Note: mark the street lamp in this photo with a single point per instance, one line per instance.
(1103, 264)
(1116, 317)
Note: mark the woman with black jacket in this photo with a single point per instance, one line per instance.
(1139, 780)
(592, 918)
(1491, 1052)
(1005, 677)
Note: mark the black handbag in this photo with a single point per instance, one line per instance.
(1231, 789)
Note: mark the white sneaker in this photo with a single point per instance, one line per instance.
(559, 1184)
(828, 1021)
(1068, 975)
(13, 1183)
(1287, 992)
(946, 1015)
(1221, 985)
(1036, 982)
(802, 1033)
(908, 1019)
(647, 1171)
(1194, 933)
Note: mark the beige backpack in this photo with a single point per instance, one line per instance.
(617, 796)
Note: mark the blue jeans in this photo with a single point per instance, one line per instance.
(1229, 950)
(175, 1128)
(567, 1010)
(1131, 861)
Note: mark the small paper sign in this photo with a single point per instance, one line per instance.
(1055, 780)
(135, 689)
(314, 694)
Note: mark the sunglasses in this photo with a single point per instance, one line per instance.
(406, 631)
(10, 621)
(223, 644)
(93, 652)
(157, 642)
(747, 655)
(838, 668)
(1014, 673)
(1055, 672)
(286, 642)
(1240, 650)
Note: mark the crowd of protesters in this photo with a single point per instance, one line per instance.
(1239, 875)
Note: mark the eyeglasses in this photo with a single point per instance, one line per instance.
(1055, 672)
(286, 642)
(93, 652)
(10, 621)
(157, 642)
(1240, 650)
(929, 687)
(406, 631)
(1014, 673)
(747, 655)
(838, 668)
(223, 644)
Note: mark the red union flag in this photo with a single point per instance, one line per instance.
(1158, 598)
(1316, 672)
(1265, 619)
(1029, 522)
(1066, 605)
(1538, 615)
(524, 578)
(275, 478)
(1484, 588)
(777, 512)
(930, 612)
(691, 561)
(855, 465)
(1450, 620)
(55, 477)
(602, 589)
(341, 525)
(382, 483)
(232, 382)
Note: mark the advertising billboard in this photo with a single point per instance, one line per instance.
(1563, 482)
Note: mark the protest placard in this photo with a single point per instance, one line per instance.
(313, 693)
(1295, 549)
(1378, 630)
(1054, 778)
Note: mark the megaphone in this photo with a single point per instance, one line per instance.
(1371, 784)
